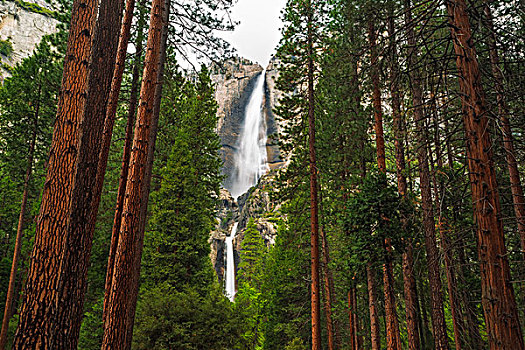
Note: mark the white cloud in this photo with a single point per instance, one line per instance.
(258, 34)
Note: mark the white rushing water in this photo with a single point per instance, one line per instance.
(250, 164)
(251, 157)
(230, 264)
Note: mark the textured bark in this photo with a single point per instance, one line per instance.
(372, 306)
(41, 325)
(499, 304)
(85, 199)
(126, 153)
(393, 340)
(132, 301)
(508, 140)
(115, 328)
(436, 296)
(8, 310)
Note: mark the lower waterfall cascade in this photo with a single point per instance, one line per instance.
(251, 162)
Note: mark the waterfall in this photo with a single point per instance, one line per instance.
(251, 157)
(250, 164)
(230, 264)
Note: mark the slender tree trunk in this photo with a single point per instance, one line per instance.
(436, 296)
(8, 310)
(328, 291)
(111, 112)
(372, 305)
(314, 215)
(508, 140)
(126, 154)
(39, 325)
(149, 171)
(499, 304)
(351, 324)
(444, 229)
(126, 255)
(393, 340)
(409, 283)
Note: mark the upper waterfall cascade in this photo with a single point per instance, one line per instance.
(250, 164)
(251, 157)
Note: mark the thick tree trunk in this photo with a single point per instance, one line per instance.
(314, 212)
(508, 140)
(372, 306)
(126, 154)
(40, 326)
(8, 310)
(85, 199)
(499, 304)
(115, 329)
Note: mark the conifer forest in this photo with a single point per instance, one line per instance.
(363, 189)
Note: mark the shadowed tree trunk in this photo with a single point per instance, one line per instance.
(115, 329)
(499, 304)
(393, 340)
(508, 140)
(8, 310)
(436, 296)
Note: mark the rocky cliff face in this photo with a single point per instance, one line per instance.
(23, 24)
(234, 84)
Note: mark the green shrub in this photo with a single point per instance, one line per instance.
(6, 47)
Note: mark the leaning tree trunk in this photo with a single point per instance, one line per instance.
(132, 302)
(497, 294)
(8, 310)
(115, 328)
(39, 325)
(436, 296)
(126, 153)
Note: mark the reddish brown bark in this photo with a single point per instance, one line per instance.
(314, 211)
(436, 297)
(372, 306)
(8, 310)
(393, 340)
(508, 140)
(115, 329)
(132, 301)
(40, 325)
(85, 199)
(126, 153)
(351, 324)
(328, 292)
(499, 304)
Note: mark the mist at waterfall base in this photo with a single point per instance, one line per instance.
(251, 162)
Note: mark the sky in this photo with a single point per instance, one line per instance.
(258, 34)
